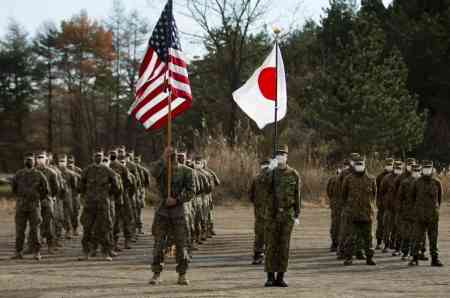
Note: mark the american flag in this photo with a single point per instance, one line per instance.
(163, 72)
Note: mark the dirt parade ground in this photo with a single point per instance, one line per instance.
(221, 268)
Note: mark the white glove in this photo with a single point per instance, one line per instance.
(273, 164)
(296, 221)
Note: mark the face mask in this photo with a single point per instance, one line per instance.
(281, 159)
(338, 171)
(263, 168)
(389, 168)
(106, 163)
(62, 164)
(427, 171)
(416, 175)
(397, 172)
(346, 168)
(352, 163)
(360, 168)
(408, 168)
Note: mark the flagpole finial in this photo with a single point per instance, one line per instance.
(276, 30)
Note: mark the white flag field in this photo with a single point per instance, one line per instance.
(258, 96)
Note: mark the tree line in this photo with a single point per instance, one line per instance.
(364, 78)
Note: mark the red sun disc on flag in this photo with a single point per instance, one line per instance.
(267, 83)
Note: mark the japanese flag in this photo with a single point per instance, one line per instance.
(257, 97)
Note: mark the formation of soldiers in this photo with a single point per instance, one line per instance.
(107, 198)
(407, 197)
(275, 193)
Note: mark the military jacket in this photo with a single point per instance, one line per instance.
(31, 187)
(52, 178)
(358, 195)
(98, 182)
(388, 191)
(258, 193)
(426, 194)
(404, 197)
(380, 199)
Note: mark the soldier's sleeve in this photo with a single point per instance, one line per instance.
(14, 184)
(344, 191)
(83, 182)
(54, 183)
(251, 193)
(298, 200)
(329, 188)
(44, 187)
(440, 192)
(188, 192)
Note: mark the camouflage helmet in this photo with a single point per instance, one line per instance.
(354, 156)
(410, 161)
(427, 164)
(29, 155)
(62, 157)
(398, 164)
(359, 159)
(389, 161)
(283, 149)
(416, 167)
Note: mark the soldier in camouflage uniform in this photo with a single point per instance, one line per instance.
(76, 198)
(197, 204)
(257, 195)
(98, 183)
(169, 215)
(72, 180)
(388, 192)
(333, 196)
(358, 195)
(426, 195)
(397, 234)
(406, 214)
(30, 187)
(48, 204)
(206, 187)
(145, 184)
(59, 204)
(123, 207)
(281, 211)
(388, 169)
(215, 182)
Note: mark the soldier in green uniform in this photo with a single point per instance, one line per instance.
(258, 196)
(72, 180)
(406, 210)
(76, 203)
(123, 205)
(30, 187)
(388, 169)
(426, 195)
(358, 195)
(145, 181)
(388, 192)
(169, 215)
(215, 182)
(48, 205)
(397, 232)
(97, 184)
(281, 211)
(333, 194)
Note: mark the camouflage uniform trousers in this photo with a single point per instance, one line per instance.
(389, 223)
(198, 217)
(59, 217)
(211, 215)
(34, 219)
(380, 226)
(205, 207)
(76, 206)
(428, 227)
(189, 225)
(48, 216)
(123, 219)
(96, 221)
(163, 227)
(133, 222)
(334, 228)
(345, 232)
(258, 245)
(358, 232)
(407, 232)
(140, 203)
(67, 212)
(277, 235)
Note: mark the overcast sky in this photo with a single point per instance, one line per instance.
(32, 13)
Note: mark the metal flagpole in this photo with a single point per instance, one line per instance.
(169, 118)
(275, 134)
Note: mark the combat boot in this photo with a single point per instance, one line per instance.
(182, 280)
(385, 249)
(76, 233)
(348, 262)
(156, 279)
(68, 235)
(107, 257)
(37, 256)
(423, 257)
(435, 262)
(270, 280)
(84, 257)
(51, 248)
(140, 231)
(127, 244)
(404, 257)
(58, 243)
(17, 256)
(280, 280)
(414, 262)
(370, 261)
(28, 251)
(378, 247)
(113, 254)
(396, 253)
